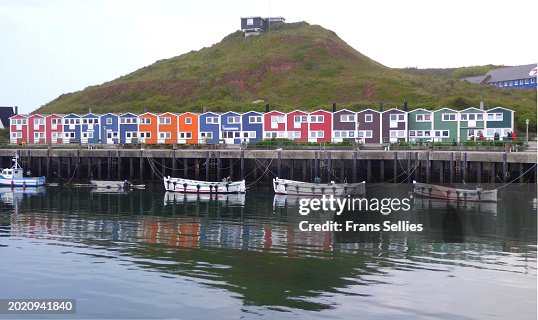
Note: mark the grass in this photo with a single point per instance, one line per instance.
(293, 66)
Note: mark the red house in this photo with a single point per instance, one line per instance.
(297, 126)
(320, 129)
(274, 125)
(18, 128)
(53, 125)
(36, 129)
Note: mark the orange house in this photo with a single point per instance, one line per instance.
(167, 128)
(147, 128)
(188, 128)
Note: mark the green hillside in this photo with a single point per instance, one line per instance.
(293, 66)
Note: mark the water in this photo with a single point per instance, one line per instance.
(147, 254)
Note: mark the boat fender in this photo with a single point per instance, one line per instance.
(312, 188)
(276, 183)
(210, 188)
(457, 194)
(185, 187)
(448, 194)
(198, 187)
(216, 189)
(12, 184)
(285, 187)
(430, 191)
(479, 192)
(334, 190)
(297, 188)
(345, 189)
(227, 186)
(322, 190)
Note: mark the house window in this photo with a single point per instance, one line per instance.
(463, 117)
(316, 134)
(109, 121)
(188, 120)
(401, 117)
(516, 83)
(165, 120)
(368, 118)
(39, 135)
(255, 119)
(250, 22)
(165, 135)
(533, 80)
(479, 117)
(54, 121)
(526, 81)
(145, 120)
(298, 119)
(397, 133)
(521, 82)
(347, 118)
(38, 122)
(472, 117)
(449, 117)
(234, 119)
(214, 120)
(277, 119)
(511, 83)
(393, 117)
(316, 119)
(498, 117)
(208, 135)
(185, 135)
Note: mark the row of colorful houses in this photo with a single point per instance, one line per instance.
(366, 126)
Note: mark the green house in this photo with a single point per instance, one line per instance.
(420, 125)
(445, 125)
(499, 120)
(472, 123)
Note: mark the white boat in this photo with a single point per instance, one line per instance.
(14, 196)
(443, 192)
(197, 186)
(112, 185)
(14, 177)
(299, 188)
(237, 199)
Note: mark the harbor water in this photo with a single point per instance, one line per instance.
(151, 254)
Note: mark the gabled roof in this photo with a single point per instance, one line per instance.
(321, 110)
(344, 110)
(499, 108)
(5, 114)
(297, 111)
(72, 115)
(90, 115)
(252, 111)
(147, 114)
(472, 108)
(445, 108)
(421, 109)
(510, 73)
(230, 112)
(368, 110)
(394, 109)
(128, 114)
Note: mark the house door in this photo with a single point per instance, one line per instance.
(109, 139)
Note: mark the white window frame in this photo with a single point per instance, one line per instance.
(347, 118)
(165, 120)
(188, 120)
(234, 119)
(108, 120)
(212, 120)
(447, 116)
(369, 117)
(255, 119)
(145, 120)
(316, 119)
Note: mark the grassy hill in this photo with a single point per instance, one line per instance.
(293, 66)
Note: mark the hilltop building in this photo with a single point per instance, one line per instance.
(5, 114)
(253, 26)
(523, 77)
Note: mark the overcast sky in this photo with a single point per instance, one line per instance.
(54, 47)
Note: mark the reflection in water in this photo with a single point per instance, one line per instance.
(251, 246)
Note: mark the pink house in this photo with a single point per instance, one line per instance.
(297, 126)
(18, 128)
(274, 125)
(320, 129)
(53, 125)
(36, 129)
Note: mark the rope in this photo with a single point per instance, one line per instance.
(521, 175)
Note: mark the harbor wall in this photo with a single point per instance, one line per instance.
(260, 166)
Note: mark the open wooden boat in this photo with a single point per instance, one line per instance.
(444, 192)
(197, 186)
(113, 185)
(300, 188)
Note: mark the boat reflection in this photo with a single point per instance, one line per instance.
(109, 191)
(232, 199)
(464, 206)
(16, 195)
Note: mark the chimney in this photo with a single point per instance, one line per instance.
(16, 109)
(482, 105)
(89, 110)
(267, 108)
(145, 109)
(405, 105)
(204, 109)
(334, 107)
(381, 107)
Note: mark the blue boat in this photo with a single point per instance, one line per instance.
(14, 177)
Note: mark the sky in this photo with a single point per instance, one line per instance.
(48, 48)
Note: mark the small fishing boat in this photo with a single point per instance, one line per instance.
(237, 199)
(300, 188)
(450, 193)
(197, 186)
(14, 177)
(113, 185)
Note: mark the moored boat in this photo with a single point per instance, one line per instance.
(450, 193)
(197, 186)
(14, 177)
(300, 188)
(113, 185)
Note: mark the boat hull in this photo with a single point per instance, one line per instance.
(197, 186)
(23, 182)
(299, 188)
(113, 185)
(449, 193)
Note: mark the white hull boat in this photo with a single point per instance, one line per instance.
(111, 185)
(14, 177)
(443, 192)
(299, 188)
(197, 186)
(237, 199)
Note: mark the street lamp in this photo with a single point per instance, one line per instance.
(527, 136)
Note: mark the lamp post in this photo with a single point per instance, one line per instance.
(527, 136)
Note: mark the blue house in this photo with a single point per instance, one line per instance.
(209, 128)
(517, 77)
(230, 127)
(109, 128)
(128, 128)
(252, 125)
(90, 128)
(72, 128)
